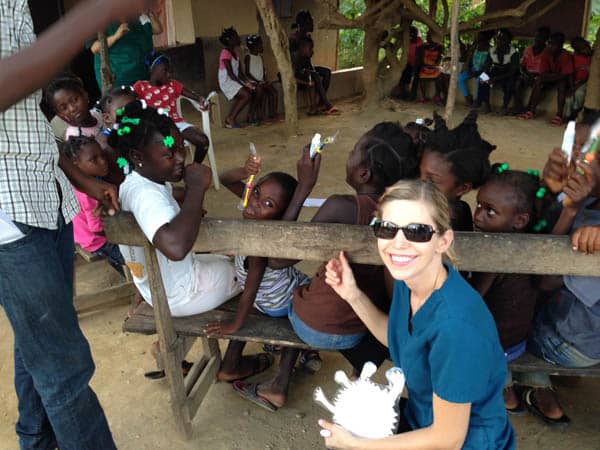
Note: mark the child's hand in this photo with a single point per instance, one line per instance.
(197, 176)
(579, 186)
(220, 329)
(308, 169)
(586, 239)
(556, 171)
(340, 277)
(252, 166)
(250, 85)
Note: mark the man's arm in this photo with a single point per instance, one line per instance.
(51, 52)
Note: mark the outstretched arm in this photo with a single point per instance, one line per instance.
(51, 52)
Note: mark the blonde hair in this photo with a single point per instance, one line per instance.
(423, 191)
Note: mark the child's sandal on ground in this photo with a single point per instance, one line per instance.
(527, 115)
(186, 366)
(260, 363)
(534, 409)
(557, 121)
(331, 111)
(249, 391)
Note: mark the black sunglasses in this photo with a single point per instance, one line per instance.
(413, 232)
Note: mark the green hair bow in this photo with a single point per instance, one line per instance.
(168, 141)
(502, 167)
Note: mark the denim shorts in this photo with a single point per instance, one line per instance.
(320, 340)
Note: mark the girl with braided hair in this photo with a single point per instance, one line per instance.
(153, 146)
(318, 315)
(511, 201)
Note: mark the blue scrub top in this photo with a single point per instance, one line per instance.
(451, 347)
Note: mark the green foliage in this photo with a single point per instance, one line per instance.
(593, 28)
(350, 42)
(350, 48)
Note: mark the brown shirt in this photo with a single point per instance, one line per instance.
(317, 304)
(511, 299)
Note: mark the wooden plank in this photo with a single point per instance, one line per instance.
(531, 363)
(87, 256)
(204, 383)
(261, 329)
(502, 253)
(168, 342)
(87, 302)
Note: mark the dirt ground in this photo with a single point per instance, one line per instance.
(138, 409)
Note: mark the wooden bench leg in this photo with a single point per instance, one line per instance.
(203, 374)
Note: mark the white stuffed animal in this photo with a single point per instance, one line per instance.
(366, 409)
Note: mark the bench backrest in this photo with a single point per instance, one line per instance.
(483, 252)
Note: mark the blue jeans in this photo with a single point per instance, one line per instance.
(320, 340)
(462, 83)
(551, 347)
(53, 363)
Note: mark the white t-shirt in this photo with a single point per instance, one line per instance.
(153, 206)
(8, 231)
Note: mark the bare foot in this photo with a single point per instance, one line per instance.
(246, 367)
(272, 393)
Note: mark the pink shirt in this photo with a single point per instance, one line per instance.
(86, 225)
(164, 96)
(93, 131)
(226, 56)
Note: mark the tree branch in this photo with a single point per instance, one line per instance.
(419, 15)
(517, 12)
(446, 14)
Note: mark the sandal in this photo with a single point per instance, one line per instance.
(557, 121)
(310, 361)
(534, 409)
(186, 366)
(260, 363)
(518, 410)
(232, 125)
(249, 391)
(527, 115)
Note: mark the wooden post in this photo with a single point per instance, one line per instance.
(281, 49)
(454, 57)
(106, 73)
(592, 96)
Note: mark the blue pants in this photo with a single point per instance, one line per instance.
(53, 363)
(462, 83)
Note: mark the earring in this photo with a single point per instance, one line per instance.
(140, 164)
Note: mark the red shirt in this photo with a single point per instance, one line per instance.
(534, 63)
(164, 96)
(581, 65)
(412, 51)
(562, 64)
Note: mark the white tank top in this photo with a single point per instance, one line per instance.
(256, 68)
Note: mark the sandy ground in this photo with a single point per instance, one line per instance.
(138, 409)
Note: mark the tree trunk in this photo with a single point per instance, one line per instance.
(370, 67)
(281, 50)
(106, 73)
(454, 57)
(592, 96)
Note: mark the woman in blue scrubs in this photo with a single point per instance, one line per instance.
(439, 331)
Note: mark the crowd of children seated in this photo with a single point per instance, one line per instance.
(544, 65)
(135, 137)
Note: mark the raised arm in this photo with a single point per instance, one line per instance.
(176, 238)
(51, 52)
(112, 39)
(234, 179)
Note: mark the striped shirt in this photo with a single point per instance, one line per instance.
(275, 291)
(31, 183)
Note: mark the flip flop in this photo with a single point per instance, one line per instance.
(527, 115)
(186, 366)
(260, 363)
(232, 126)
(533, 408)
(249, 391)
(331, 111)
(557, 121)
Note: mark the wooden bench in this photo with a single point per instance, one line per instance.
(505, 253)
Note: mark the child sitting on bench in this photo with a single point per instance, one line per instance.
(269, 290)
(154, 148)
(511, 201)
(318, 315)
